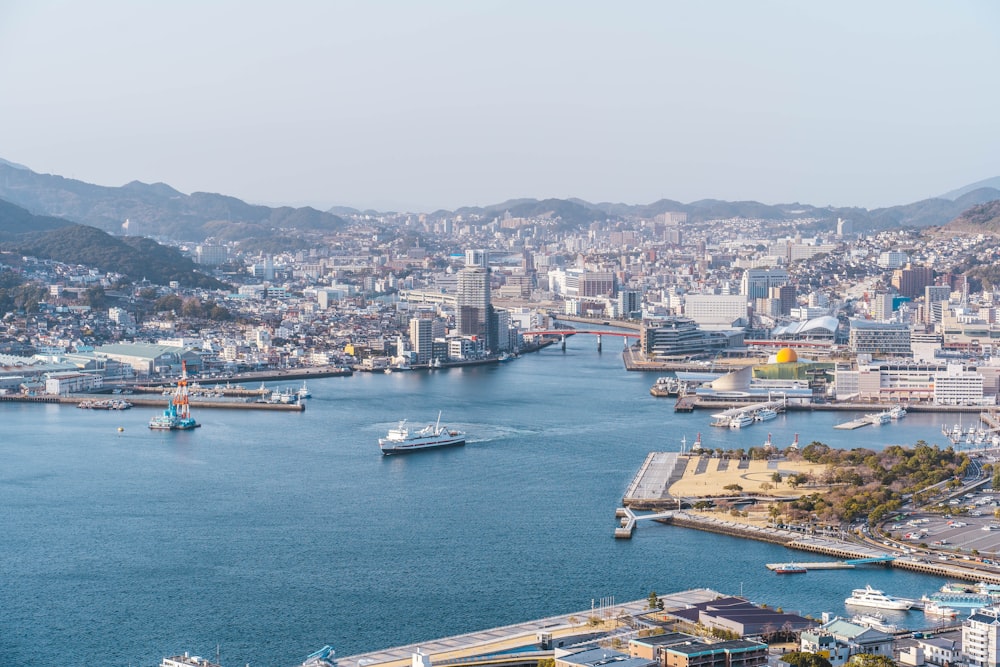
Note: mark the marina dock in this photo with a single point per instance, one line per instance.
(853, 424)
(822, 565)
(724, 418)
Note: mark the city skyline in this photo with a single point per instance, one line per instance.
(445, 105)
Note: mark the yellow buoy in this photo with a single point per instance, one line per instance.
(121, 429)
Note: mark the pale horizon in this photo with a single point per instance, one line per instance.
(391, 106)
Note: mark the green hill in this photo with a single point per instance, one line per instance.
(62, 241)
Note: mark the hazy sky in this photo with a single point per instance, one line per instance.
(429, 104)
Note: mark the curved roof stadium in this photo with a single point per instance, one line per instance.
(822, 328)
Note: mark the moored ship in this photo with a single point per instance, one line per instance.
(765, 414)
(871, 597)
(740, 420)
(790, 568)
(401, 439)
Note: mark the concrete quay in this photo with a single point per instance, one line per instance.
(471, 648)
(827, 546)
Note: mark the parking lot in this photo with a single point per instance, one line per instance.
(968, 531)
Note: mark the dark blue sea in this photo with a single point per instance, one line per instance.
(268, 535)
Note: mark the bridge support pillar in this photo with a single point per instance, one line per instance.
(562, 342)
(598, 342)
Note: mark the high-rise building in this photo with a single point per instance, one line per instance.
(936, 297)
(422, 339)
(785, 294)
(912, 280)
(882, 306)
(757, 283)
(477, 257)
(473, 309)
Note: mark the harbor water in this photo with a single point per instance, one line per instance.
(268, 535)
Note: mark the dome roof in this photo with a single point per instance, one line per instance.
(786, 355)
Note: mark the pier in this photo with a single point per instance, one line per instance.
(723, 418)
(822, 565)
(157, 402)
(650, 488)
(853, 424)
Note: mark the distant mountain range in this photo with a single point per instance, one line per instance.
(979, 219)
(157, 210)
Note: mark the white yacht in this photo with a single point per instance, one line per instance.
(872, 597)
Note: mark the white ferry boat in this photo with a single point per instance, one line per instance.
(740, 419)
(897, 412)
(765, 415)
(401, 439)
(871, 597)
(879, 418)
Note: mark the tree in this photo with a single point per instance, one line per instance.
(774, 512)
(869, 660)
(736, 488)
(94, 297)
(776, 477)
(805, 659)
(654, 601)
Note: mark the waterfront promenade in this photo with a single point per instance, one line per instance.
(463, 649)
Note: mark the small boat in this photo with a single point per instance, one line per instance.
(303, 392)
(873, 619)
(321, 658)
(765, 414)
(935, 608)
(401, 439)
(871, 597)
(740, 420)
(790, 568)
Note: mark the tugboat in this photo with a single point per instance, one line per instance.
(177, 416)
